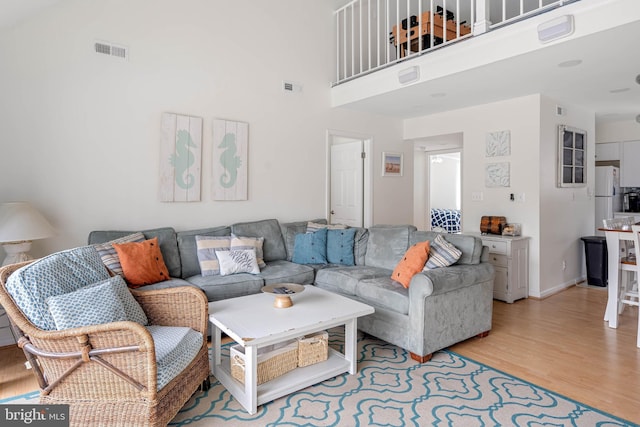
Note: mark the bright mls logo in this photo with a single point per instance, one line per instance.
(34, 415)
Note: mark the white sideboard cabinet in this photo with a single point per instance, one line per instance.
(510, 259)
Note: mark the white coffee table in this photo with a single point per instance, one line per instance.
(253, 322)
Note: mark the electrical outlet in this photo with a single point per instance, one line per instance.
(564, 265)
(476, 196)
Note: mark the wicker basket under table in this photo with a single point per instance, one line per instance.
(313, 348)
(273, 361)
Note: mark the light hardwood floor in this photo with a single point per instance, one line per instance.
(560, 343)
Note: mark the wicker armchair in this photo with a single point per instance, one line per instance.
(107, 373)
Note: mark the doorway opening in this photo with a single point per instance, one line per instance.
(445, 192)
(438, 183)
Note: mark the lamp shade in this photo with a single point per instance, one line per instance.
(19, 221)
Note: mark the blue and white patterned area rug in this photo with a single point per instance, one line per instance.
(390, 389)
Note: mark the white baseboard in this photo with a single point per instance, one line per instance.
(561, 287)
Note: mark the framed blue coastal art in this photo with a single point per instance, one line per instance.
(229, 167)
(180, 158)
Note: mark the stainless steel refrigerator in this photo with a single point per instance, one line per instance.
(608, 197)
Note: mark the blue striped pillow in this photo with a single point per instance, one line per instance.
(206, 248)
(108, 253)
(442, 254)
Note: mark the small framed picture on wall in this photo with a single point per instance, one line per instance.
(391, 164)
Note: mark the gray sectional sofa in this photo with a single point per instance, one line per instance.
(441, 307)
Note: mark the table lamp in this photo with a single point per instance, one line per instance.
(20, 224)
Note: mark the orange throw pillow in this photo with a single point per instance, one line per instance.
(412, 263)
(142, 262)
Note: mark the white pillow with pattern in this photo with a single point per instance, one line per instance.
(238, 261)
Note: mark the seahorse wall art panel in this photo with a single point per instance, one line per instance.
(180, 158)
(230, 146)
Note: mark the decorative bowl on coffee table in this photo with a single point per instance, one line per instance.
(282, 293)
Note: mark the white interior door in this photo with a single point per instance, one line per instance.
(347, 183)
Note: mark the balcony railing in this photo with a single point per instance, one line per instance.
(372, 34)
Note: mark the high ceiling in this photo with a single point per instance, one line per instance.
(605, 80)
(12, 11)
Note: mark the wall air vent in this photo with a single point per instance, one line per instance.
(107, 48)
(290, 87)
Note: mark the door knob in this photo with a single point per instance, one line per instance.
(332, 212)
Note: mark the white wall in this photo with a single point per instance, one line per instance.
(566, 214)
(532, 172)
(81, 130)
(521, 117)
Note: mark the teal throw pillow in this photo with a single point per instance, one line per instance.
(340, 246)
(310, 248)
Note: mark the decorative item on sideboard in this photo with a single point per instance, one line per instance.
(512, 229)
(492, 224)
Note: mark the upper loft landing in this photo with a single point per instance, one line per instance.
(373, 34)
(412, 58)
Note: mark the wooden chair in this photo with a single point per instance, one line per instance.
(107, 373)
(629, 289)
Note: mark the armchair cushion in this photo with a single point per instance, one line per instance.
(175, 347)
(102, 302)
(92, 305)
(56, 274)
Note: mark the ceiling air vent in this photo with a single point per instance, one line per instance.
(107, 48)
